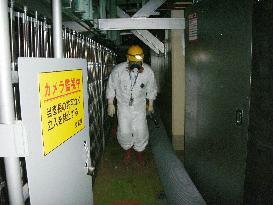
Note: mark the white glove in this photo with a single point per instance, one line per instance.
(151, 107)
(111, 109)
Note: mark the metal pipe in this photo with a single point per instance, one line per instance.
(25, 31)
(36, 35)
(6, 96)
(7, 115)
(73, 48)
(73, 44)
(57, 28)
(50, 42)
(41, 30)
(101, 103)
(12, 35)
(27, 34)
(45, 38)
(76, 45)
(65, 42)
(70, 45)
(19, 34)
(32, 48)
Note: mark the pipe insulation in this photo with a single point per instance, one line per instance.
(178, 186)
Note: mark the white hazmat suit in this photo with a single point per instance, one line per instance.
(132, 124)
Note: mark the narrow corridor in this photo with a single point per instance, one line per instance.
(117, 183)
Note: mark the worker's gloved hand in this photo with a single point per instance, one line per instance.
(111, 109)
(150, 107)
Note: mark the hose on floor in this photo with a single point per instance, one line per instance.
(178, 187)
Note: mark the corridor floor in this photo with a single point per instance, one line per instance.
(118, 184)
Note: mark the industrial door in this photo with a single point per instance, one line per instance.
(259, 174)
(218, 63)
(53, 97)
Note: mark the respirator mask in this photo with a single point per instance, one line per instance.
(132, 66)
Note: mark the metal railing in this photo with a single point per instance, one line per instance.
(31, 36)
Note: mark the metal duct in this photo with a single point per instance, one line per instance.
(179, 188)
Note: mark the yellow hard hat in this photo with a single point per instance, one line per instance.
(135, 53)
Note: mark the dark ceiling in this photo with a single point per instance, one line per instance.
(129, 6)
(132, 6)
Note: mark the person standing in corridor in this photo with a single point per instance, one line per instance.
(132, 83)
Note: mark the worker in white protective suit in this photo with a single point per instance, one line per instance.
(132, 83)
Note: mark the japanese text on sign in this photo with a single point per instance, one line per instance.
(193, 27)
(61, 105)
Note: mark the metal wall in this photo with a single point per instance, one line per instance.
(31, 36)
(218, 68)
(259, 177)
(164, 98)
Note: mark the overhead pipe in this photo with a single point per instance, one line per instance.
(178, 186)
(57, 28)
(7, 114)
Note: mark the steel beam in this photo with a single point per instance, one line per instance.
(141, 23)
(144, 39)
(148, 8)
(144, 35)
(76, 26)
(121, 13)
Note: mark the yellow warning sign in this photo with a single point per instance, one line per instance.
(61, 106)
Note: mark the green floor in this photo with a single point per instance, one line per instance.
(117, 182)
